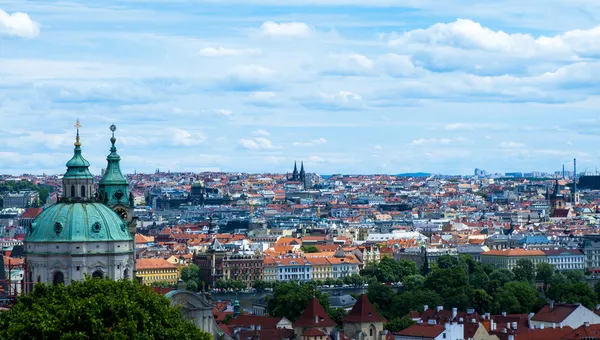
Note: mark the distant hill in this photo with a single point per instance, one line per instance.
(414, 174)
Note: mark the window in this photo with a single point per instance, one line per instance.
(83, 191)
(72, 191)
(98, 274)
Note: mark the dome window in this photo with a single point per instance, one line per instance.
(96, 227)
(98, 274)
(58, 278)
(58, 227)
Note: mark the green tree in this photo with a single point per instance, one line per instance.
(525, 294)
(414, 282)
(190, 274)
(380, 296)
(479, 279)
(337, 315)
(524, 270)
(96, 309)
(406, 302)
(310, 249)
(390, 270)
(289, 299)
(575, 276)
(544, 272)
(502, 275)
(397, 324)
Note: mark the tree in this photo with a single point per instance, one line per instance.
(337, 315)
(544, 272)
(406, 302)
(380, 296)
(479, 279)
(524, 270)
(390, 270)
(96, 309)
(397, 324)
(502, 275)
(190, 274)
(414, 282)
(310, 249)
(575, 276)
(289, 299)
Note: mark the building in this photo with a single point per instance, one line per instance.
(79, 235)
(23, 199)
(363, 321)
(211, 262)
(314, 323)
(245, 267)
(156, 270)
(293, 268)
(508, 258)
(432, 331)
(591, 250)
(565, 259)
(567, 315)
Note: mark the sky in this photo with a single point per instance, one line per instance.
(347, 86)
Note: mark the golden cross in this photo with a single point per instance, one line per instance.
(77, 124)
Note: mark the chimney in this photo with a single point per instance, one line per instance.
(586, 324)
(515, 325)
(492, 325)
(454, 312)
(542, 326)
(487, 316)
(551, 305)
(425, 308)
(531, 315)
(431, 322)
(503, 313)
(560, 325)
(511, 337)
(473, 320)
(440, 308)
(316, 319)
(508, 325)
(258, 327)
(553, 325)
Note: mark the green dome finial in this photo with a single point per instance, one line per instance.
(77, 125)
(113, 140)
(77, 166)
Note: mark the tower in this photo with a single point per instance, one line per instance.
(557, 200)
(78, 182)
(302, 174)
(575, 197)
(113, 188)
(295, 173)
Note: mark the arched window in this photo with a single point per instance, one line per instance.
(72, 191)
(372, 331)
(83, 191)
(58, 278)
(126, 274)
(98, 274)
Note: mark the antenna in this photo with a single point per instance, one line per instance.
(563, 174)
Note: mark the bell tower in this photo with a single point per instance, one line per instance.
(78, 182)
(113, 188)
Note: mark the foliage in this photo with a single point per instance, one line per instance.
(16, 186)
(310, 249)
(414, 282)
(389, 270)
(524, 270)
(230, 284)
(289, 299)
(261, 285)
(544, 272)
(96, 309)
(191, 275)
(398, 324)
(164, 284)
(337, 315)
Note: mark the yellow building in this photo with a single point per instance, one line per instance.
(321, 268)
(156, 270)
(508, 258)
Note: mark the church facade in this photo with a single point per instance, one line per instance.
(84, 234)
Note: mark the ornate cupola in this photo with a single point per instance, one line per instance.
(78, 182)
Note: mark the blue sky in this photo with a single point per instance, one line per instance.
(348, 86)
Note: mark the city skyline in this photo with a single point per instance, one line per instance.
(347, 86)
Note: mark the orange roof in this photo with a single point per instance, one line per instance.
(515, 252)
(154, 264)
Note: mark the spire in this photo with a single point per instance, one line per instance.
(77, 126)
(113, 187)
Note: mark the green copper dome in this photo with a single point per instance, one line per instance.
(78, 222)
(113, 188)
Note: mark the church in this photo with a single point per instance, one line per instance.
(84, 233)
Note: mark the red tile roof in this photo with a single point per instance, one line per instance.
(32, 212)
(557, 314)
(314, 309)
(590, 332)
(363, 311)
(422, 330)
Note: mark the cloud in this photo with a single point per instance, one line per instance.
(286, 29)
(316, 159)
(257, 143)
(342, 100)
(262, 95)
(224, 112)
(436, 141)
(315, 142)
(247, 78)
(261, 133)
(227, 52)
(511, 145)
(18, 25)
(352, 64)
(180, 137)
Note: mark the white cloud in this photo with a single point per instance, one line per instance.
(342, 96)
(436, 141)
(274, 159)
(256, 143)
(180, 137)
(262, 95)
(316, 159)
(227, 52)
(224, 112)
(261, 133)
(315, 142)
(511, 145)
(18, 25)
(286, 29)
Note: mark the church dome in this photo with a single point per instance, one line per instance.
(78, 222)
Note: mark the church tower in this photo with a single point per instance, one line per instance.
(78, 182)
(295, 173)
(113, 189)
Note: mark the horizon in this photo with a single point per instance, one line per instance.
(348, 86)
